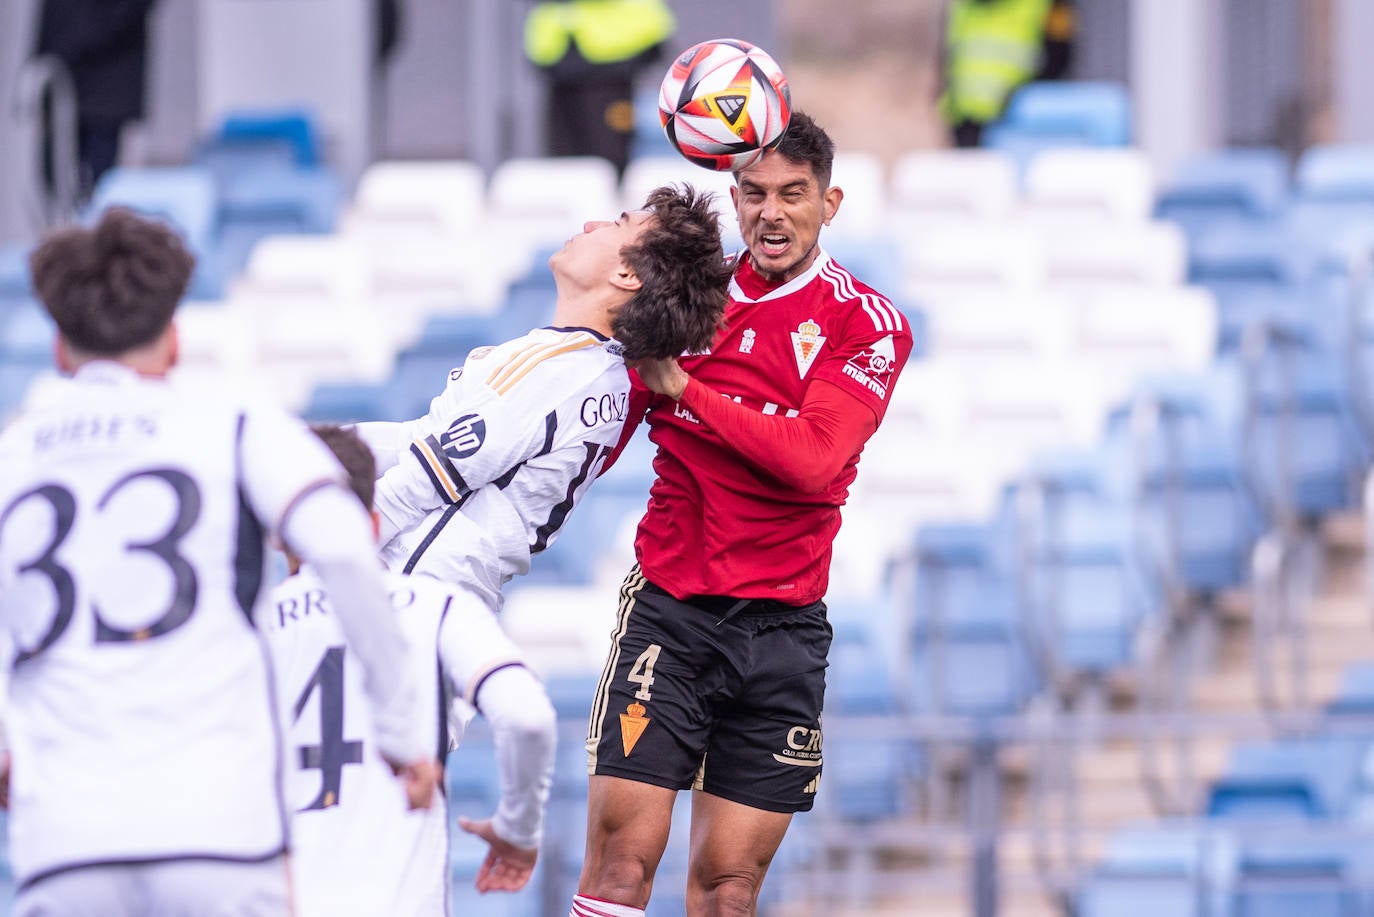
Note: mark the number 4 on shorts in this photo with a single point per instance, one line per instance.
(643, 672)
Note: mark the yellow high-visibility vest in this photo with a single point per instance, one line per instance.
(605, 31)
(991, 47)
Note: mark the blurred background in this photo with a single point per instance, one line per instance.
(1103, 638)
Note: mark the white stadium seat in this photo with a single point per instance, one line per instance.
(1114, 184)
(1084, 257)
(958, 184)
(968, 259)
(423, 197)
(541, 201)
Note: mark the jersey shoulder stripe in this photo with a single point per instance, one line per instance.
(879, 309)
(442, 474)
(506, 376)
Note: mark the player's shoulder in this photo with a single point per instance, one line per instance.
(550, 360)
(864, 309)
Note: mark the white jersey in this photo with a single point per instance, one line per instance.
(357, 850)
(513, 442)
(134, 519)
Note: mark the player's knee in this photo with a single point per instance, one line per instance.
(621, 877)
(729, 893)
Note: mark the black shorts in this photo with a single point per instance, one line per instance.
(713, 695)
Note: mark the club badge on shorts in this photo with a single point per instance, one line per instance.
(806, 343)
(633, 722)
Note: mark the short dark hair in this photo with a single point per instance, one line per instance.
(113, 286)
(806, 141)
(355, 457)
(684, 278)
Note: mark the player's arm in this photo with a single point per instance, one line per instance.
(291, 480)
(387, 439)
(804, 452)
(636, 405)
(486, 669)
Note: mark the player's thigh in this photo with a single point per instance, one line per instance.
(650, 719)
(765, 749)
(627, 831)
(731, 840)
(94, 891)
(207, 888)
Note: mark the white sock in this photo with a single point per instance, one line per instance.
(582, 906)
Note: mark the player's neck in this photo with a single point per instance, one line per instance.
(583, 312)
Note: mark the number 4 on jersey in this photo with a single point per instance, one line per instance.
(334, 751)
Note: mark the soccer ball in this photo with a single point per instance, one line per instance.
(723, 102)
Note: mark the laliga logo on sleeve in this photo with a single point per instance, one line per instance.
(806, 343)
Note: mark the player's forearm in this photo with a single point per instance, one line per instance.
(330, 531)
(804, 452)
(525, 731)
(388, 441)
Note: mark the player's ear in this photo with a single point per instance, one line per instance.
(62, 355)
(833, 196)
(376, 524)
(626, 279)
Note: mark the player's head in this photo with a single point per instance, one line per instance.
(785, 197)
(112, 287)
(355, 457)
(683, 277)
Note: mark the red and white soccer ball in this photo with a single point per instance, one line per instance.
(723, 102)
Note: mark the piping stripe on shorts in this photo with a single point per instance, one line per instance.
(634, 582)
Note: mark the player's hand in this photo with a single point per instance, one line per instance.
(507, 867)
(419, 780)
(664, 376)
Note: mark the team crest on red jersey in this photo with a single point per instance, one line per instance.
(872, 367)
(807, 341)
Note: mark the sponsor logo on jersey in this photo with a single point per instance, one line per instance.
(464, 436)
(803, 747)
(807, 341)
(615, 348)
(746, 341)
(680, 411)
(608, 408)
(633, 722)
(872, 368)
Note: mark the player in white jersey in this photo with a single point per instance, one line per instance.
(134, 520)
(358, 851)
(522, 429)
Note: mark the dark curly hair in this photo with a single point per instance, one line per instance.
(113, 286)
(684, 278)
(806, 141)
(355, 457)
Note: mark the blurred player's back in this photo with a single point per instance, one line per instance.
(131, 555)
(356, 848)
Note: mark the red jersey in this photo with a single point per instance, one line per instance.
(721, 524)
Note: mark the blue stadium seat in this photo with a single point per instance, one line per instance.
(350, 402)
(1356, 693)
(1108, 894)
(292, 130)
(1286, 876)
(14, 272)
(1231, 185)
(295, 200)
(1046, 115)
(1256, 272)
(1176, 437)
(1311, 778)
(1146, 871)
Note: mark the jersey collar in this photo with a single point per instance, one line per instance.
(788, 288)
(105, 372)
(568, 329)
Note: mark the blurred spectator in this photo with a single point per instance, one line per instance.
(103, 44)
(991, 48)
(591, 52)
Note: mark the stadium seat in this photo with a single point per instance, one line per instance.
(1309, 778)
(541, 201)
(1083, 258)
(981, 331)
(928, 186)
(561, 629)
(293, 130)
(185, 196)
(1069, 112)
(277, 200)
(1276, 877)
(861, 177)
(436, 197)
(1237, 184)
(1114, 185)
(949, 261)
(325, 268)
(351, 402)
(14, 273)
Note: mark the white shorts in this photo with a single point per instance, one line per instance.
(178, 888)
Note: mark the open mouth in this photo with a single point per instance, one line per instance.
(774, 243)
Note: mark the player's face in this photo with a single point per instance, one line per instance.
(594, 255)
(781, 209)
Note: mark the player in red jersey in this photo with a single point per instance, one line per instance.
(716, 675)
